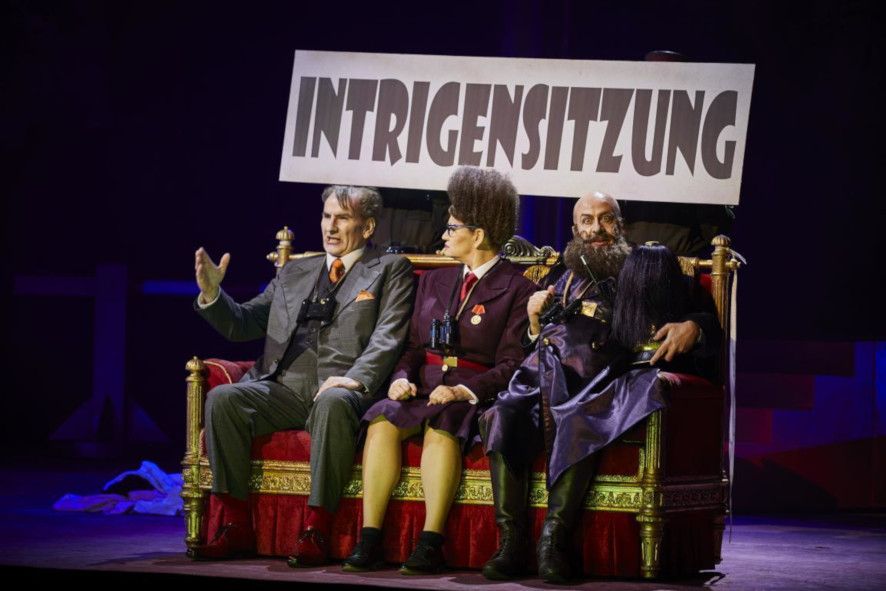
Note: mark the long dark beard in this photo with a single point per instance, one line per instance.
(604, 262)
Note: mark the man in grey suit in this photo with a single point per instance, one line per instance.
(333, 328)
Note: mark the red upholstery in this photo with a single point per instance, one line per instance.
(607, 541)
(221, 371)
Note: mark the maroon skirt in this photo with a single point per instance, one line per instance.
(459, 419)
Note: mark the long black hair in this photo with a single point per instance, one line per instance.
(652, 291)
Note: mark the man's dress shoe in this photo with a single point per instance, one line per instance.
(232, 540)
(311, 549)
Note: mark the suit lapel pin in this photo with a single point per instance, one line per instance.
(478, 311)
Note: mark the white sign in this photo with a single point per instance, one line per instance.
(649, 131)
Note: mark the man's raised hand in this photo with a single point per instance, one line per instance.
(209, 275)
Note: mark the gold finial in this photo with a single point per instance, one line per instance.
(284, 248)
(721, 240)
(285, 234)
(195, 365)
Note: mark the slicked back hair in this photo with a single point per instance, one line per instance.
(363, 202)
(484, 198)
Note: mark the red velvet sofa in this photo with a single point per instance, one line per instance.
(656, 508)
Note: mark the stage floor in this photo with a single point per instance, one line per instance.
(845, 551)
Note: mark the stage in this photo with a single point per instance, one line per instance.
(815, 551)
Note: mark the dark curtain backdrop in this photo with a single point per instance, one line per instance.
(133, 132)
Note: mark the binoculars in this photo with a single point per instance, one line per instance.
(443, 334)
(322, 310)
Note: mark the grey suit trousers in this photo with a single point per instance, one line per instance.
(236, 413)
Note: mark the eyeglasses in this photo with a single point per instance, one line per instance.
(450, 228)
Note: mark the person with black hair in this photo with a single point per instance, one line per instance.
(652, 292)
(577, 391)
(464, 345)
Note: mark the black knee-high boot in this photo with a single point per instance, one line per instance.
(565, 499)
(510, 493)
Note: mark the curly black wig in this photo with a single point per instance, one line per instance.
(484, 198)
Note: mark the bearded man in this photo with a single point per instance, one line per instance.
(574, 391)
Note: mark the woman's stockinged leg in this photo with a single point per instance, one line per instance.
(381, 468)
(440, 476)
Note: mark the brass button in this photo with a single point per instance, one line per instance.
(546, 341)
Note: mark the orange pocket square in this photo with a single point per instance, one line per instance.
(364, 295)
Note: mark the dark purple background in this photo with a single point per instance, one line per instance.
(133, 132)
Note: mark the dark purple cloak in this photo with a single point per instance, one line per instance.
(593, 394)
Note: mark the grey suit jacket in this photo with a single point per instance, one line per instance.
(362, 342)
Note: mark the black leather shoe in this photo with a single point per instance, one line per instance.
(365, 556)
(426, 559)
(509, 561)
(311, 549)
(232, 540)
(553, 557)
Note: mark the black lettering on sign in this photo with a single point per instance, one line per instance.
(721, 114)
(327, 119)
(556, 116)
(642, 104)
(303, 118)
(361, 100)
(444, 105)
(417, 120)
(393, 103)
(685, 123)
(476, 106)
(584, 105)
(614, 108)
(533, 112)
(503, 122)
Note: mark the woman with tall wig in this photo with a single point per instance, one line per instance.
(464, 345)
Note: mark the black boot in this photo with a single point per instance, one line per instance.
(510, 493)
(427, 556)
(367, 553)
(565, 499)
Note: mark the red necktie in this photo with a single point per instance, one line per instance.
(467, 284)
(337, 271)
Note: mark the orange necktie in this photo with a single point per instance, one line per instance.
(337, 271)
